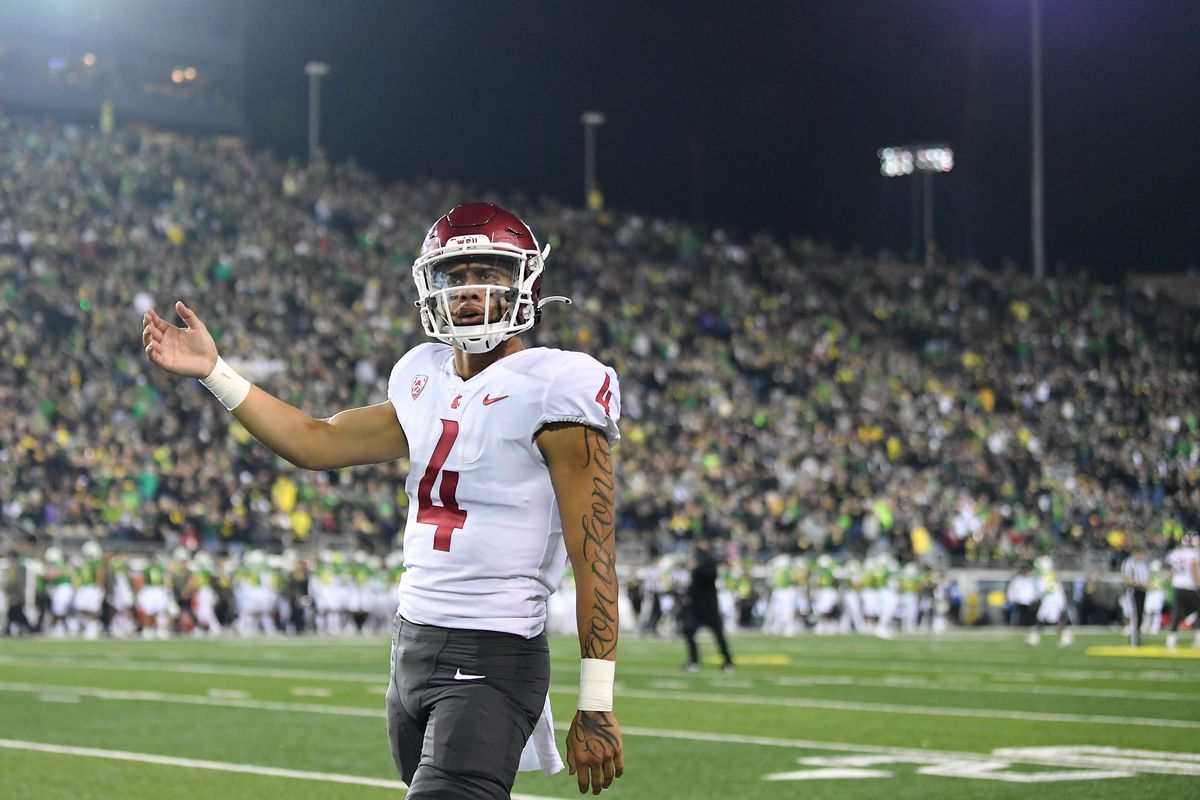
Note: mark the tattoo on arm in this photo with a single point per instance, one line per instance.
(599, 547)
(597, 733)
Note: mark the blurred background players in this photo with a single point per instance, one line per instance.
(700, 609)
(1135, 572)
(1052, 606)
(1184, 562)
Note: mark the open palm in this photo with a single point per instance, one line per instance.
(189, 351)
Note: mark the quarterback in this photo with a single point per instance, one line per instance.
(511, 475)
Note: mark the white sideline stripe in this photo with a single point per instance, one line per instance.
(58, 698)
(895, 708)
(942, 683)
(835, 705)
(247, 672)
(1163, 762)
(195, 700)
(217, 766)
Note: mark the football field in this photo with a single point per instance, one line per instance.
(969, 715)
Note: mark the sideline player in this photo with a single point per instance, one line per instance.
(511, 473)
(1184, 562)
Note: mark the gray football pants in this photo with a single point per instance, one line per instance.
(460, 706)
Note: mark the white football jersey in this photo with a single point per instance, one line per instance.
(1180, 561)
(483, 545)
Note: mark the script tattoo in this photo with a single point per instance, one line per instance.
(599, 547)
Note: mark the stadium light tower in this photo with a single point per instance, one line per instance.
(315, 70)
(900, 160)
(1037, 219)
(591, 120)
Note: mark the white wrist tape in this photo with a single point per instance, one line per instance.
(596, 684)
(229, 387)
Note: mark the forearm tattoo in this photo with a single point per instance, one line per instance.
(600, 548)
(597, 733)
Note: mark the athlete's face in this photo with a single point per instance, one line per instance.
(475, 288)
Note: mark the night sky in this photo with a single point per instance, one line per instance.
(768, 115)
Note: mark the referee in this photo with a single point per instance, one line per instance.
(1136, 573)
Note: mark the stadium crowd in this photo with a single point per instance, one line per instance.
(776, 395)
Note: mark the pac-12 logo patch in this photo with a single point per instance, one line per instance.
(418, 385)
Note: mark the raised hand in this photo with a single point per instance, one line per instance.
(189, 351)
(595, 752)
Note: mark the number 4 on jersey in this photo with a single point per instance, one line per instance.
(448, 516)
(604, 396)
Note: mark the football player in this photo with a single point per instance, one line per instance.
(511, 474)
(1052, 609)
(1156, 595)
(1184, 563)
(909, 609)
(61, 590)
(781, 607)
(89, 591)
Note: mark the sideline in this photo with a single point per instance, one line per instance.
(835, 705)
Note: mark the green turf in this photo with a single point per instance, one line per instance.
(315, 705)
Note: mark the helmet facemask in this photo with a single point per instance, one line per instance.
(475, 295)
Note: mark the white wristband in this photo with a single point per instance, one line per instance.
(229, 387)
(596, 684)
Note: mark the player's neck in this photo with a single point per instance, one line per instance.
(468, 365)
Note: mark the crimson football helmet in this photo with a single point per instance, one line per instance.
(506, 254)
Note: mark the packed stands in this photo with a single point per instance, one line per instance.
(775, 393)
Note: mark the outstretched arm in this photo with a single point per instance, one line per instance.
(581, 470)
(367, 435)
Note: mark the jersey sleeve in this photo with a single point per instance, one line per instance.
(400, 381)
(586, 392)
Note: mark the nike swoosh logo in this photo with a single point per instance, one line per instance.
(459, 675)
(487, 401)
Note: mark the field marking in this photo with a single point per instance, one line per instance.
(196, 700)
(675, 685)
(897, 708)
(979, 686)
(310, 691)
(978, 769)
(1125, 651)
(1082, 756)
(827, 773)
(58, 698)
(832, 680)
(195, 669)
(218, 766)
(889, 665)
(1158, 761)
(724, 699)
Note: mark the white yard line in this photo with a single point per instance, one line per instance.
(1164, 763)
(217, 766)
(942, 683)
(196, 669)
(695, 697)
(195, 700)
(896, 708)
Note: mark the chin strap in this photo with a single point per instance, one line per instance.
(553, 299)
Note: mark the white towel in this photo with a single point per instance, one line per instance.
(541, 752)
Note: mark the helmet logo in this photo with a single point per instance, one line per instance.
(418, 385)
(466, 241)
